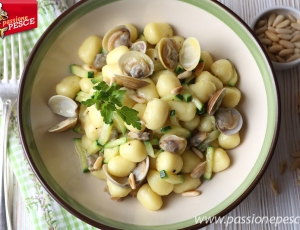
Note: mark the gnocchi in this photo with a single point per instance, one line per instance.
(158, 134)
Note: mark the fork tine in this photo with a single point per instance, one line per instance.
(21, 60)
(5, 63)
(13, 58)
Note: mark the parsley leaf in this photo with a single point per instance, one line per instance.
(108, 99)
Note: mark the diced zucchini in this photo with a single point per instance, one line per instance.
(173, 118)
(209, 162)
(81, 72)
(115, 142)
(171, 178)
(81, 154)
(109, 153)
(105, 133)
(233, 80)
(98, 77)
(93, 148)
(149, 149)
(179, 69)
(78, 129)
(154, 141)
(187, 97)
(195, 100)
(119, 123)
(176, 130)
(172, 97)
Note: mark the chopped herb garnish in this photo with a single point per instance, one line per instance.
(108, 99)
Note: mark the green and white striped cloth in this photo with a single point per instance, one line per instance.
(45, 213)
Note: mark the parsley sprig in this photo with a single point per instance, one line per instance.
(108, 99)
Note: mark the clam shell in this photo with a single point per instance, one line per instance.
(69, 123)
(140, 173)
(238, 125)
(63, 106)
(136, 64)
(215, 101)
(130, 82)
(112, 35)
(140, 46)
(168, 54)
(189, 54)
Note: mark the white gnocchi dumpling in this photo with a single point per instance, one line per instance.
(148, 198)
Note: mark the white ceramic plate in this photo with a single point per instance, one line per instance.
(53, 158)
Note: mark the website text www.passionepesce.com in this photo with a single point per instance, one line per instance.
(251, 220)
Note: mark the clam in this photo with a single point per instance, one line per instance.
(215, 101)
(130, 82)
(197, 139)
(100, 61)
(189, 54)
(142, 136)
(140, 46)
(119, 35)
(139, 173)
(172, 143)
(66, 107)
(168, 55)
(228, 120)
(63, 106)
(69, 123)
(136, 64)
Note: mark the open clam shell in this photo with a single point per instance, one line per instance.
(228, 120)
(140, 173)
(136, 64)
(69, 123)
(215, 101)
(63, 106)
(140, 46)
(168, 54)
(189, 54)
(130, 82)
(119, 35)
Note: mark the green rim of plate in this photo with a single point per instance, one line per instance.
(212, 8)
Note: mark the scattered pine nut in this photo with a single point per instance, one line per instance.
(197, 152)
(287, 44)
(282, 167)
(285, 52)
(283, 24)
(293, 58)
(292, 18)
(280, 59)
(279, 18)
(266, 41)
(177, 90)
(272, 36)
(191, 193)
(296, 25)
(271, 19)
(275, 48)
(131, 181)
(295, 38)
(274, 187)
(295, 164)
(98, 163)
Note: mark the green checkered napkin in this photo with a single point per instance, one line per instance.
(45, 213)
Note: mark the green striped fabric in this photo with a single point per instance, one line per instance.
(44, 212)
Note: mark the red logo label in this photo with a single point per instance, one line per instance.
(17, 16)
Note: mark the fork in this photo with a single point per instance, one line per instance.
(8, 94)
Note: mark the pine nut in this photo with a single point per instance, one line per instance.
(292, 18)
(296, 25)
(272, 36)
(298, 21)
(296, 38)
(275, 49)
(259, 36)
(271, 19)
(285, 52)
(191, 193)
(98, 164)
(283, 31)
(297, 44)
(288, 56)
(272, 29)
(293, 58)
(261, 30)
(279, 18)
(287, 44)
(280, 59)
(262, 23)
(285, 36)
(266, 41)
(296, 51)
(284, 23)
(297, 32)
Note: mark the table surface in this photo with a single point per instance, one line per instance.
(262, 202)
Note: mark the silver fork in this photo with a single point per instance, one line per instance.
(8, 93)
